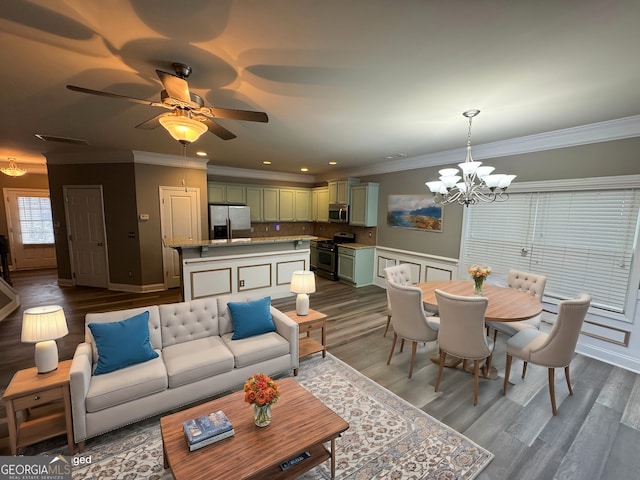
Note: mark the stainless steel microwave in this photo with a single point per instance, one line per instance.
(338, 213)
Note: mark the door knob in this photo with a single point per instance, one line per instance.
(99, 244)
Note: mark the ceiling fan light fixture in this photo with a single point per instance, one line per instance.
(13, 170)
(184, 129)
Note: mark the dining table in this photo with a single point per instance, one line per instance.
(505, 304)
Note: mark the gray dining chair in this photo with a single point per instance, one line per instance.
(552, 350)
(409, 319)
(400, 274)
(462, 333)
(530, 283)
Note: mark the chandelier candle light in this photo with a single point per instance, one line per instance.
(478, 183)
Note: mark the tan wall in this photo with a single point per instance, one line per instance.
(612, 158)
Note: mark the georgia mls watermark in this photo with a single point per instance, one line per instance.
(40, 467)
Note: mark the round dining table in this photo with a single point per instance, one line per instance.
(506, 304)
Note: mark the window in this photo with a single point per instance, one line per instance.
(35, 220)
(582, 240)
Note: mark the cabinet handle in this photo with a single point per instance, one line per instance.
(37, 397)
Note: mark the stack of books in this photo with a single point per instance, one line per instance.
(207, 429)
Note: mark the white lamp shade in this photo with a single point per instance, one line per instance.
(303, 281)
(40, 324)
(183, 129)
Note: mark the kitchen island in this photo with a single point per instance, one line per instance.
(256, 266)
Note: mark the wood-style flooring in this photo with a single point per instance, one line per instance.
(595, 435)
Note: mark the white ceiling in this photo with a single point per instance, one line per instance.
(352, 81)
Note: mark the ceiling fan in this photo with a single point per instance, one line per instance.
(183, 103)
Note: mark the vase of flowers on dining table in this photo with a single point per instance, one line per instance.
(479, 274)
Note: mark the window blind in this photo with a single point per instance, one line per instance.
(36, 225)
(581, 240)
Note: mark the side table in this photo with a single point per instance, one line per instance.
(312, 321)
(45, 400)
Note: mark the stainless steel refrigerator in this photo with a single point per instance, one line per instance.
(229, 221)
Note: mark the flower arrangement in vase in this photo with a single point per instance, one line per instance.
(261, 391)
(479, 275)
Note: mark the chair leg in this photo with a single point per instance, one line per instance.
(401, 345)
(476, 369)
(507, 372)
(524, 369)
(495, 335)
(464, 364)
(386, 329)
(488, 363)
(440, 368)
(566, 375)
(552, 391)
(414, 346)
(393, 347)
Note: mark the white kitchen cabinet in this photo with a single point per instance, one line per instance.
(339, 190)
(355, 265)
(226, 193)
(287, 205)
(363, 209)
(254, 201)
(302, 205)
(320, 204)
(270, 204)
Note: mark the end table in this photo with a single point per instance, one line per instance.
(312, 321)
(45, 400)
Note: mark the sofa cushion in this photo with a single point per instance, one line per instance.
(192, 361)
(186, 321)
(121, 344)
(251, 318)
(126, 384)
(257, 348)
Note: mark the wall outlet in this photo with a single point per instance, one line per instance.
(241, 283)
(277, 227)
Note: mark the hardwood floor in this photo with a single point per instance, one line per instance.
(594, 436)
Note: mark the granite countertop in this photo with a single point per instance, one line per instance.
(356, 246)
(235, 241)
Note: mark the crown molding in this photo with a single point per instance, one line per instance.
(220, 171)
(164, 160)
(618, 129)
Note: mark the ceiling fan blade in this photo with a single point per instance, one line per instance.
(246, 115)
(151, 123)
(175, 86)
(119, 97)
(218, 130)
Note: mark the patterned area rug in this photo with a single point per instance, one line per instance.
(387, 437)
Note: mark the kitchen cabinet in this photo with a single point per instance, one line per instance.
(270, 204)
(226, 193)
(339, 190)
(320, 204)
(254, 202)
(313, 257)
(363, 209)
(287, 205)
(355, 265)
(302, 205)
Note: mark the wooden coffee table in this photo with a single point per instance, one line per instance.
(299, 422)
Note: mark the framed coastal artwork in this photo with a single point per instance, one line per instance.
(417, 212)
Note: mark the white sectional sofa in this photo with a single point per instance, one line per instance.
(197, 358)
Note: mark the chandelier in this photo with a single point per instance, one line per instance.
(478, 183)
(13, 170)
(182, 127)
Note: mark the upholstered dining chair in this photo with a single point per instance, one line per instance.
(462, 333)
(552, 350)
(409, 319)
(530, 283)
(400, 274)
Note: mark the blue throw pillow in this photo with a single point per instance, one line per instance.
(121, 344)
(251, 318)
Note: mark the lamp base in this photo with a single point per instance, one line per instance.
(302, 304)
(46, 356)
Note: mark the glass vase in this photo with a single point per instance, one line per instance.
(478, 282)
(262, 414)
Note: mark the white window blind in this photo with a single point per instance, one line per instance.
(581, 240)
(36, 224)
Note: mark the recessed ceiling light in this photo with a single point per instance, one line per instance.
(266, 162)
(200, 153)
(333, 163)
(304, 169)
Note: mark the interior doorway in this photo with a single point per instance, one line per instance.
(87, 238)
(30, 227)
(179, 221)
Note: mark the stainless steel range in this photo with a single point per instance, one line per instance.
(327, 265)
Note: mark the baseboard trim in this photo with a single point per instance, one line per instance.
(123, 287)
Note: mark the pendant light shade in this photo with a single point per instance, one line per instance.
(184, 129)
(13, 170)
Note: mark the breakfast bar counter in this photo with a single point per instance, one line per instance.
(257, 266)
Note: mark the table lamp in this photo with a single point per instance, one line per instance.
(303, 282)
(42, 326)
